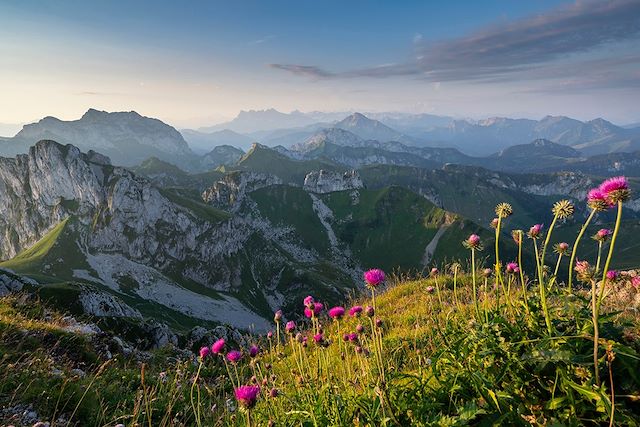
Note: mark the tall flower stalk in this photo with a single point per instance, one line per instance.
(503, 210)
(473, 244)
(518, 236)
(534, 234)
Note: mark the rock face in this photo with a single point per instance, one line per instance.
(326, 181)
(126, 137)
(104, 305)
(230, 191)
(221, 155)
(9, 282)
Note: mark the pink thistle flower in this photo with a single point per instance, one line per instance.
(584, 271)
(273, 393)
(355, 311)
(336, 313)
(472, 242)
(434, 272)
(513, 268)
(254, 350)
(269, 335)
(247, 395)
(218, 346)
(494, 223)
(535, 231)
(598, 200)
(616, 189)
(374, 277)
(345, 337)
(430, 289)
(359, 329)
(487, 272)
(308, 301)
(204, 352)
(369, 311)
(277, 316)
(318, 338)
(635, 282)
(353, 337)
(378, 323)
(234, 356)
(290, 326)
(602, 235)
(612, 275)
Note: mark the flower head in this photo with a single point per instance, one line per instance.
(563, 209)
(247, 395)
(314, 310)
(597, 200)
(355, 311)
(374, 277)
(352, 337)
(602, 235)
(318, 338)
(379, 323)
(273, 393)
(369, 311)
(269, 335)
(504, 210)
(635, 282)
(359, 329)
(253, 351)
(434, 272)
(308, 301)
(561, 248)
(277, 316)
(472, 242)
(494, 223)
(535, 231)
(616, 189)
(584, 271)
(513, 268)
(487, 272)
(218, 346)
(612, 275)
(290, 326)
(204, 352)
(516, 235)
(336, 313)
(430, 289)
(234, 356)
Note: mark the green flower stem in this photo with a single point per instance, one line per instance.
(599, 256)
(473, 278)
(498, 267)
(543, 296)
(455, 286)
(574, 250)
(193, 386)
(596, 331)
(546, 243)
(438, 292)
(616, 229)
(522, 281)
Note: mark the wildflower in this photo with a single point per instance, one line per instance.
(247, 395)
(308, 301)
(434, 272)
(430, 289)
(273, 393)
(563, 209)
(369, 311)
(277, 316)
(535, 231)
(455, 267)
(218, 346)
(359, 329)
(597, 200)
(353, 337)
(494, 223)
(269, 335)
(612, 275)
(318, 338)
(204, 352)
(345, 337)
(234, 356)
(355, 311)
(635, 282)
(584, 271)
(336, 313)
(253, 351)
(512, 268)
(472, 242)
(378, 323)
(290, 326)
(504, 210)
(374, 277)
(602, 235)
(358, 349)
(616, 189)
(314, 310)
(561, 248)
(516, 235)
(487, 272)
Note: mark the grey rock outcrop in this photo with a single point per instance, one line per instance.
(323, 181)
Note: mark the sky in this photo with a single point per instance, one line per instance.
(198, 63)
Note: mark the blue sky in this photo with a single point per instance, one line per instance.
(195, 63)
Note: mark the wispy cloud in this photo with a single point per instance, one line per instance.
(509, 49)
(261, 40)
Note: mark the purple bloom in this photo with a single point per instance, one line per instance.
(318, 338)
(563, 246)
(374, 277)
(269, 335)
(472, 242)
(635, 282)
(434, 272)
(359, 329)
(253, 351)
(614, 184)
(234, 356)
(336, 313)
(277, 316)
(378, 323)
(317, 309)
(204, 352)
(218, 346)
(345, 337)
(430, 289)
(369, 311)
(353, 337)
(612, 275)
(247, 395)
(308, 301)
(494, 223)
(535, 230)
(355, 311)
(513, 268)
(273, 393)
(290, 326)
